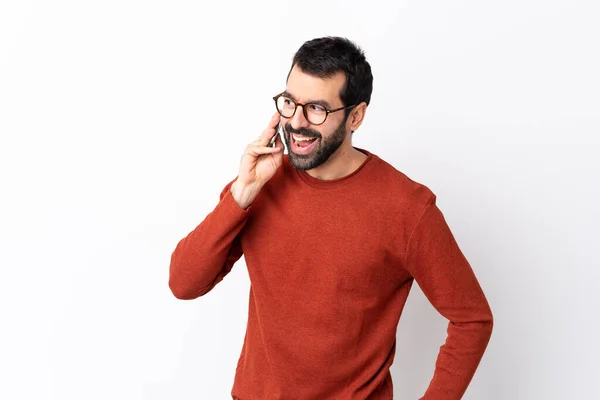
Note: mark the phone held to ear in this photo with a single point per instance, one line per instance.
(274, 138)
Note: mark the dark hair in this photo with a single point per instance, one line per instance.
(324, 57)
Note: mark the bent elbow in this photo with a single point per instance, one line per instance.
(179, 292)
(489, 318)
(182, 291)
(486, 326)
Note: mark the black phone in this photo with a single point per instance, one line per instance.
(274, 138)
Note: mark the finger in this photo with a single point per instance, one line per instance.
(256, 151)
(255, 146)
(268, 133)
(279, 142)
(274, 120)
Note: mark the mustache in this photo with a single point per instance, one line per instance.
(302, 131)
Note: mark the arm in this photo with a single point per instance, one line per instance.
(207, 254)
(434, 259)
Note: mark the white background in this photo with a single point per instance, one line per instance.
(121, 121)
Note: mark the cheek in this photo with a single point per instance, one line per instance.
(331, 128)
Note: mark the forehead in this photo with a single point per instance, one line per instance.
(305, 87)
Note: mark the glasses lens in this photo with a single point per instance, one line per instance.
(286, 106)
(315, 113)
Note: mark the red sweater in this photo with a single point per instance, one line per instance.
(331, 264)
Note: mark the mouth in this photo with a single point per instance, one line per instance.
(303, 144)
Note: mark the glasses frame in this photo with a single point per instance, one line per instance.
(327, 112)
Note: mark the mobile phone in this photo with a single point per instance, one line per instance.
(274, 138)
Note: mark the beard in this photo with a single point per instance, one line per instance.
(323, 149)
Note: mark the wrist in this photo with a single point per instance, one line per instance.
(243, 195)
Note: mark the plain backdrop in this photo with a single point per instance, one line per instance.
(121, 121)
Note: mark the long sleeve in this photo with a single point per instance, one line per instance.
(434, 259)
(203, 258)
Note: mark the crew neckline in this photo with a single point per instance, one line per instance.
(322, 183)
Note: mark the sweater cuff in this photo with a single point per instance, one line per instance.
(230, 207)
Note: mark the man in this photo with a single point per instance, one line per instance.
(333, 238)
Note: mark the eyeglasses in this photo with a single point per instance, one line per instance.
(316, 114)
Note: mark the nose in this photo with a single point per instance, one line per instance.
(298, 119)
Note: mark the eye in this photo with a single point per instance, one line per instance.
(317, 108)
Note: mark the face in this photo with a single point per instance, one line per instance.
(330, 135)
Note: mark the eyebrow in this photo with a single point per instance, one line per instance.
(319, 102)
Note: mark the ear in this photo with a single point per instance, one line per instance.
(356, 116)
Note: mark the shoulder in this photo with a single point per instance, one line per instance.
(400, 188)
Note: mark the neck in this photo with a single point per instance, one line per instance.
(341, 163)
